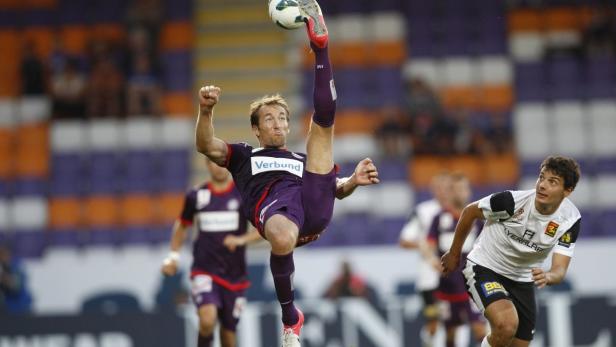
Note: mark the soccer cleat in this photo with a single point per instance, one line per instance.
(290, 333)
(315, 24)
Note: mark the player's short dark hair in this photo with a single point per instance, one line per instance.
(267, 100)
(566, 168)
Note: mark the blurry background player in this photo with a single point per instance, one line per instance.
(218, 272)
(289, 196)
(522, 229)
(456, 308)
(413, 233)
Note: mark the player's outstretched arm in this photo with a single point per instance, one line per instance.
(451, 259)
(558, 270)
(171, 262)
(365, 174)
(207, 144)
(232, 241)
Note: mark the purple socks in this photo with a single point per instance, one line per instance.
(205, 341)
(282, 267)
(324, 89)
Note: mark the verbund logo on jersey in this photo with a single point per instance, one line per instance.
(525, 241)
(264, 164)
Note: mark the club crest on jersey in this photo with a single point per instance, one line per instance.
(518, 213)
(491, 288)
(233, 204)
(551, 228)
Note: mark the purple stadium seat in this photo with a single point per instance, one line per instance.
(388, 85)
(104, 236)
(564, 78)
(174, 170)
(383, 5)
(530, 82)
(392, 170)
(490, 42)
(108, 11)
(29, 244)
(178, 9)
(37, 17)
(389, 231)
(177, 70)
(140, 172)
(606, 165)
(600, 78)
(30, 186)
(135, 235)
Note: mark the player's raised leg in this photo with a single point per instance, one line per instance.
(319, 145)
(503, 319)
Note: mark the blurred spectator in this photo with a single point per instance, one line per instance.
(393, 134)
(348, 284)
(421, 98)
(143, 91)
(14, 295)
(32, 71)
(600, 35)
(105, 89)
(67, 90)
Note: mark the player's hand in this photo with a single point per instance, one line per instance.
(208, 97)
(540, 277)
(366, 173)
(435, 262)
(170, 267)
(449, 261)
(232, 242)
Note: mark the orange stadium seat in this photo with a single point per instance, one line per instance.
(178, 104)
(176, 36)
(168, 207)
(65, 213)
(389, 53)
(10, 4)
(562, 18)
(75, 38)
(470, 166)
(460, 97)
(525, 20)
(351, 121)
(32, 150)
(109, 32)
(11, 56)
(101, 211)
(136, 209)
(347, 54)
(502, 169)
(496, 97)
(42, 37)
(33, 134)
(7, 153)
(423, 168)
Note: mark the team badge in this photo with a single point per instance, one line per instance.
(550, 230)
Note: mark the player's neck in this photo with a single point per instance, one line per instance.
(220, 186)
(546, 209)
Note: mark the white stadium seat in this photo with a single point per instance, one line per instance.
(606, 191)
(350, 28)
(495, 70)
(532, 131)
(8, 113)
(527, 46)
(355, 147)
(425, 69)
(602, 119)
(177, 133)
(68, 136)
(392, 199)
(584, 194)
(362, 201)
(142, 133)
(104, 135)
(33, 109)
(459, 71)
(5, 222)
(570, 131)
(387, 26)
(29, 212)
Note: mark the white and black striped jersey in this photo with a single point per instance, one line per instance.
(517, 238)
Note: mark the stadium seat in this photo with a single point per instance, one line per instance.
(177, 71)
(425, 69)
(178, 104)
(496, 98)
(530, 82)
(68, 136)
(74, 38)
(65, 213)
(494, 70)
(392, 199)
(602, 124)
(527, 46)
(525, 19)
(41, 36)
(136, 210)
(584, 194)
(423, 168)
(7, 153)
(168, 207)
(105, 135)
(141, 133)
(354, 147)
(386, 26)
(101, 211)
(177, 133)
(569, 122)
(532, 131)
(5, 216)
(459, 71)
(29, 212)
(9, 69)
(176, 35)
(606, 191)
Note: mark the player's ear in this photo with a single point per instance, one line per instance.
(255, 130)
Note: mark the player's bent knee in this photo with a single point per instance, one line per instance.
(282, 239)
(504, 329)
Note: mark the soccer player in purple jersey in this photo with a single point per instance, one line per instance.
(451, 291)
(218, 273)
(289, 196)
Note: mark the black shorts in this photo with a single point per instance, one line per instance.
(430, 309)
(486, 286)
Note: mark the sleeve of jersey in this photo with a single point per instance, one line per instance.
(499, 206)
(236, 154)
(566, 243)
(412, 229)
(189, 208)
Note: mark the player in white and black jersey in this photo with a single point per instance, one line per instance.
(522, 228)
(412, 235)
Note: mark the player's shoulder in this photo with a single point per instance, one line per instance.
(431, 206)
(568, 209)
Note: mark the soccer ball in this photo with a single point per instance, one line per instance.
(285, 13)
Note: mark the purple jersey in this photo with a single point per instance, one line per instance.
(217, 214)
(255, 170)
(442, 230)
